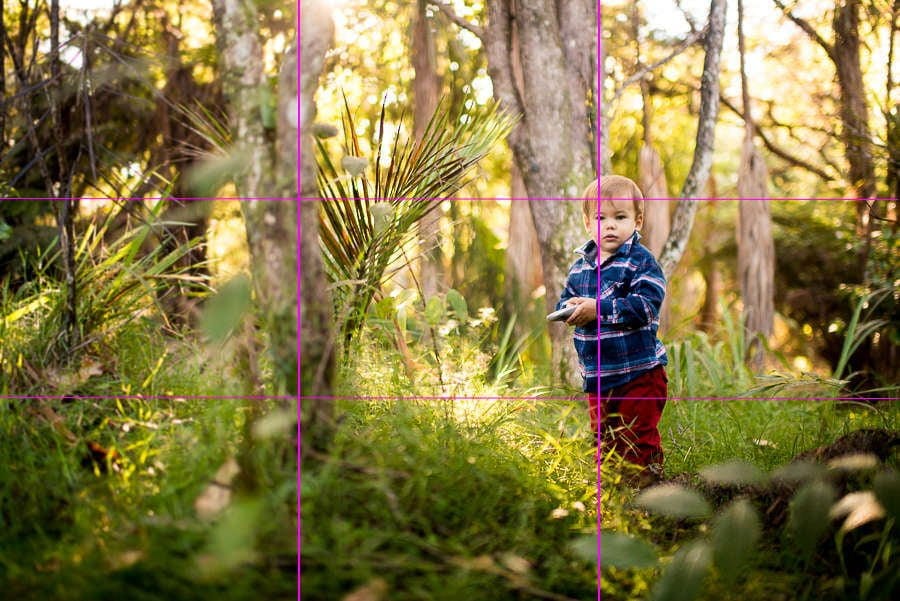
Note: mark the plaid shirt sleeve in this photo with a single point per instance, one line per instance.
(640, 306)
(631, 294)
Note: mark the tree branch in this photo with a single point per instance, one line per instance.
(640, 74)
(455, 18)
(683, 219)
(777, 150)
(807, 28)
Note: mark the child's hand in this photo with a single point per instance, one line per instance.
(585, 311)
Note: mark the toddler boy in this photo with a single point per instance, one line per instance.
(633, 380)
(581, 291)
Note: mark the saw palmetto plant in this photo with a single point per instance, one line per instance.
(370, 209)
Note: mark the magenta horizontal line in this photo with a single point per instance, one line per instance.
(133, 397)
(671, 198)
(466, 198)
(442, 398)
(580, 396)
(136, 198)
(758, 399)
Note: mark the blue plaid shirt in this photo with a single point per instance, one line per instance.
(632, 291)
(582, 281)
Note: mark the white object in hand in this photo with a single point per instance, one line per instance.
(562, 314)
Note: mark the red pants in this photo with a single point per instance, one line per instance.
(631, 415)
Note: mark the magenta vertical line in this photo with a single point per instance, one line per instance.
(299, 255)
(599, 136)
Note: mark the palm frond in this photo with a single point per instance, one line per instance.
(366, 220)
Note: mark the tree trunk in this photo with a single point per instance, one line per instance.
(756, 252)
(523, 252)
(317, 336)
(426, 91)
(756, 246)
(541, 58)
(683, 219)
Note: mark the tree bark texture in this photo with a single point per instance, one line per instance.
(541, 59)
(756, 251)
(316, 318)
(426, 92)
(853, 108)
(270, 224)
(245, 85)
(523, 252)
(683, 219)
(528, 46)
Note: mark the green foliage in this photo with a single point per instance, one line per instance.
(121, 280)
(738, 555)
(445, 351)
(700, 366)
(452, 500)
(226, 309)
(367, 221)
(71, 530)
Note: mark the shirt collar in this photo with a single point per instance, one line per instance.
(625, 249)
(589, 252)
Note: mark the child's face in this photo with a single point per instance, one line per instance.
(617, 223)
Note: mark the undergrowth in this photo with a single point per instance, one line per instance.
(450, 500)
(661, 558)
(75, 525)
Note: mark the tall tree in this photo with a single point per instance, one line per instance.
(426, 92)
(756, 245)
(844, 53)
(317, 331)
(270, 224)
(542, 62)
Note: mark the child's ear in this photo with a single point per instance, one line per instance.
(639, 221)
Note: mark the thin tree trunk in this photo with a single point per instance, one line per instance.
(523, 270)
(683, 219)
(426, 91)
(65, 216)
(756, 246)
(317, 335)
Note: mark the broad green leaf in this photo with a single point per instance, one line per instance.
(225, 310)
(736, 530)
(799, 471)
(733, 473)
(808, 520)
(458, 304)
(434, 311)
(674, 501)
(887, 489)
(623, 551)
(586, 548)
(682, 579)
(232, 541)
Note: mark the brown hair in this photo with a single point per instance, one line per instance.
(590, 200)
(618, 187)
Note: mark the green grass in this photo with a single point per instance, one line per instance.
(450, 500)
(70, 531)
(768, 434)
(765, 433)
